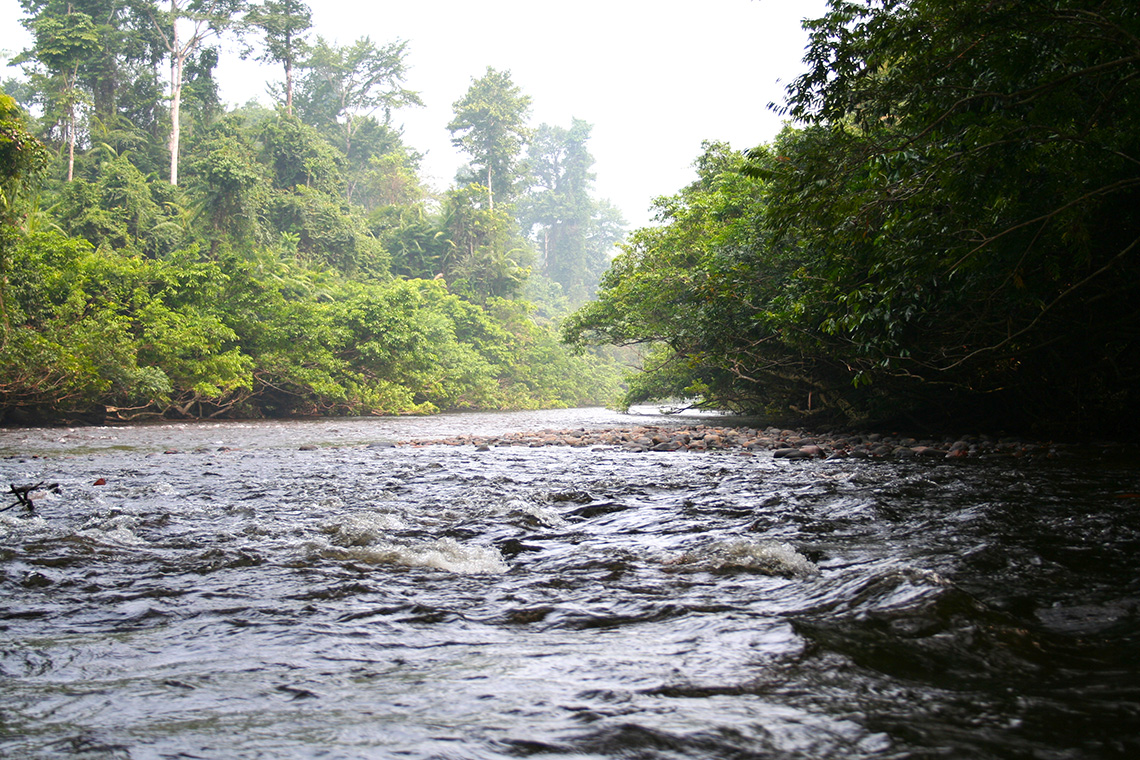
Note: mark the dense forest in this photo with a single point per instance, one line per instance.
(945, 233)
(948, 237)
(162, 255)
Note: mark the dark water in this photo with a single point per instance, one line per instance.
(434, 602)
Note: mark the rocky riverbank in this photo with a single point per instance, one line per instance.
(784, 444)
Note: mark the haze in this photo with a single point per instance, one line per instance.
(654, 79)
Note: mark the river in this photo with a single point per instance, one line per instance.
(210, 590)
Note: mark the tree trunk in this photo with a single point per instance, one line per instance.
(70, 142)
(288, 87)
(175, 113)
(177, 57)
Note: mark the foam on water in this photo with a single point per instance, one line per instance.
(441, 554)
(115, 536)
(362, 528)
(542, 514)
(765, 557)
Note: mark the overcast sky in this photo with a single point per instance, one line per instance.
(653, 77)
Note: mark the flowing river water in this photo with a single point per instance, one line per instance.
(210, 590)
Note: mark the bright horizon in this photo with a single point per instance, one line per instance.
(655, 79)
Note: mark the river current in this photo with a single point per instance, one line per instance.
(211, 590)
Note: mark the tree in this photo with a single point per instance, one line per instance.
(989, 169)
(184, 29)
(284, 25)
(952, 236)
(62, 43)
(490, 126)
(706, 297)
(329, 232)
(486, 255)
(343, 86)
(118, 74)
(573, 232)
(22, 161)
(228, 185)
(298, 156)
(119, 207)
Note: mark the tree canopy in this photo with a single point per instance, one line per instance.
(949, 233)
(490, 126)
(284, 26)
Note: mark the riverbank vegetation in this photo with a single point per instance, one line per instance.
(946, 233)
(162, 255)
(947, 237)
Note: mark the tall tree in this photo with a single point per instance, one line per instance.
(344, 85)
(62, 42)
(121, 69)
(490, 125)
(284, 25)
(559, 209)
(184, 29)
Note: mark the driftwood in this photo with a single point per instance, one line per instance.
(23, 497)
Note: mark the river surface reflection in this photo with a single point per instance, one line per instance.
(238, 597)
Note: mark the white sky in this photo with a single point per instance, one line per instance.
(653, 77)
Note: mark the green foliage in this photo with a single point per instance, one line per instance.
(62, 42)
(987, 161)
(111, 66)
(345, 85)
(96, 332)
(284, 25)
(228, 186)
(382, 170)
(119, 207)
(295, 269)
(953, 232)
(22, 159)
(298, 156)
(418, 245)
(329, 232)
(93, 328)
(487, 256)
(22, 162)
(708, 296)
(490, 126)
